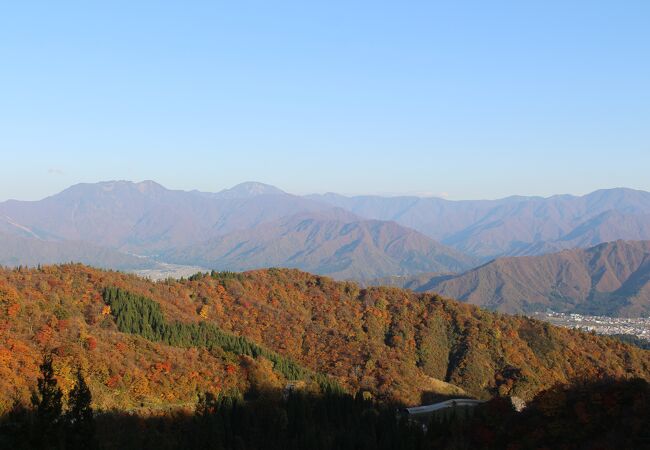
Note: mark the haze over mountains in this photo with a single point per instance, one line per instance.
(18, 250)
(332, 242)
(145, 217)
(254, 225)
(515, 225)
(249, 226)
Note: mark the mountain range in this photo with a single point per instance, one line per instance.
(249, 226)
(127, 225)
(335, 244)
(517, 225)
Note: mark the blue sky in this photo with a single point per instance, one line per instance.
(466, 99)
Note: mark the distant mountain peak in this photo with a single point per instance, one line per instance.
(149, 186)
(112, 188)
(250, 189)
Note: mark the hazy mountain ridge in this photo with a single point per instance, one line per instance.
(145, 217)
(514, 225)
(249, 189)
(607, 279)
(253, 225)
(332, 244)
(19, 250)
(218, 230)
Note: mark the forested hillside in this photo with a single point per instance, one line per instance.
(394, 343)
(611, 279)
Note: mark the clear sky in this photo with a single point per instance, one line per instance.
(466, 99)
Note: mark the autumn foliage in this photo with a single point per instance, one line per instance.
(394, 343)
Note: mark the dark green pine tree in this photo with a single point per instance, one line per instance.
(48, 406)
(80, 419)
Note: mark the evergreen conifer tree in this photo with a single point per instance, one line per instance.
(48, 406)
(80, 417)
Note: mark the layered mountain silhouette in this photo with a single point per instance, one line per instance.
(607, 279)
(145, 217)
(249, 226)
(127, 225)
(515, 225)
(334, 243)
